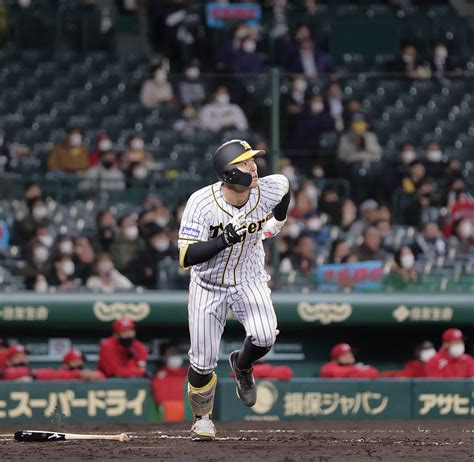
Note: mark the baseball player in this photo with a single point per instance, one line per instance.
(220, 238)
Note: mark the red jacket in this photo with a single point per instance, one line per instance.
(60, 374)
(413, 368)
(444, 366)
(15, 373)
(117, 361)
(333, 370)
(3, 360)
(168, 384)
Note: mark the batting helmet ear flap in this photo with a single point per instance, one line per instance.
(235, 176)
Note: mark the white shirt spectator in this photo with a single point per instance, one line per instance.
(219, 115)
(157, 90)
(115, 281)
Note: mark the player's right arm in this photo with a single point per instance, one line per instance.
(194, 243)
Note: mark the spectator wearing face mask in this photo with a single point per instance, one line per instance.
(122, 355)
(343, 365)
(415, 368)
(434, 164)
(29, 221)
(403, 269)
(70, 155)
(246, 60)
(37, 259)
(36, 282)
(369, 214)
(331, 204)
(17, 364)
(463, 235)
(72, 368)
(359, 144)
(62, 275)
(335, 105)
(440, 62)
(143, 270)
(395, 171)
(408, 65)
(429, 242)
(83, 257)
(312, 62)
(451, 361)
(105, 278)
(126, 244)
(135, 154)
(106, 230)
(188, 123)
(105, 175)
(63, 246)
(414, 177)
(302, 258)
(371, 248)
(352, 107)
(157, 90)
(191, 88)
(103, 144)
(221, 114)
(293, 105)
(168, 383)
(312, 123)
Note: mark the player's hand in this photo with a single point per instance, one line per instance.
(272, 227)
(235, 229)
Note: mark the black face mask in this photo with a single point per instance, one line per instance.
(107, 233)
(126, 342)
(108, 164)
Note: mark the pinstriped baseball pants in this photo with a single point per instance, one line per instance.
(251, 305)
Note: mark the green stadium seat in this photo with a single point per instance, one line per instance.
(329, 140)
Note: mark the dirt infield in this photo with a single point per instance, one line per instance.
(260, 441)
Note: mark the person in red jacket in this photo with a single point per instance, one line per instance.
(122, 355)
(17, 364)
(168, 383)
(72, 368)
(3, 353)
(343, 365)
(451, 361)
(415, 367)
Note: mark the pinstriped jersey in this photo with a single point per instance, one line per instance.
(206, 215)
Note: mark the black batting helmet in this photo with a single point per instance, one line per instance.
(230, 153)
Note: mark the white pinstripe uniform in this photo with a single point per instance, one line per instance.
(235, 278)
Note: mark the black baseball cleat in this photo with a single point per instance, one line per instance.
(246, 389)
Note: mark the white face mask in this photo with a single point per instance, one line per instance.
(408, 156)
(465, 230)
(426, 355)
(140, 172)
(222, 98)
(68, 267)
(162, 221)
(160, 76)
(407, 260)
(192, 73)
(249, 46)
(46, 240)
(434, 155)
(313, 224)
(317, 107)
(174, 362)
(105, 145)
(456, 350)
(75, 140)
(293, 230)
(408, 58)
(131, 233)
(105, 267)
(312, 192)
(40, 212)
(24, 3)
(41, 286)
(41, 254)
(300, 85)
(66, 247)
(441, 53)
(161, 245)
(137, 144)
(318, 172)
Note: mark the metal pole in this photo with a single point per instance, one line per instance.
(275, 150)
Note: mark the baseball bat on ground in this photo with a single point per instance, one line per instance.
(42, 436)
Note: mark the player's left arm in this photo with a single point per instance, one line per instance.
(274, 225)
